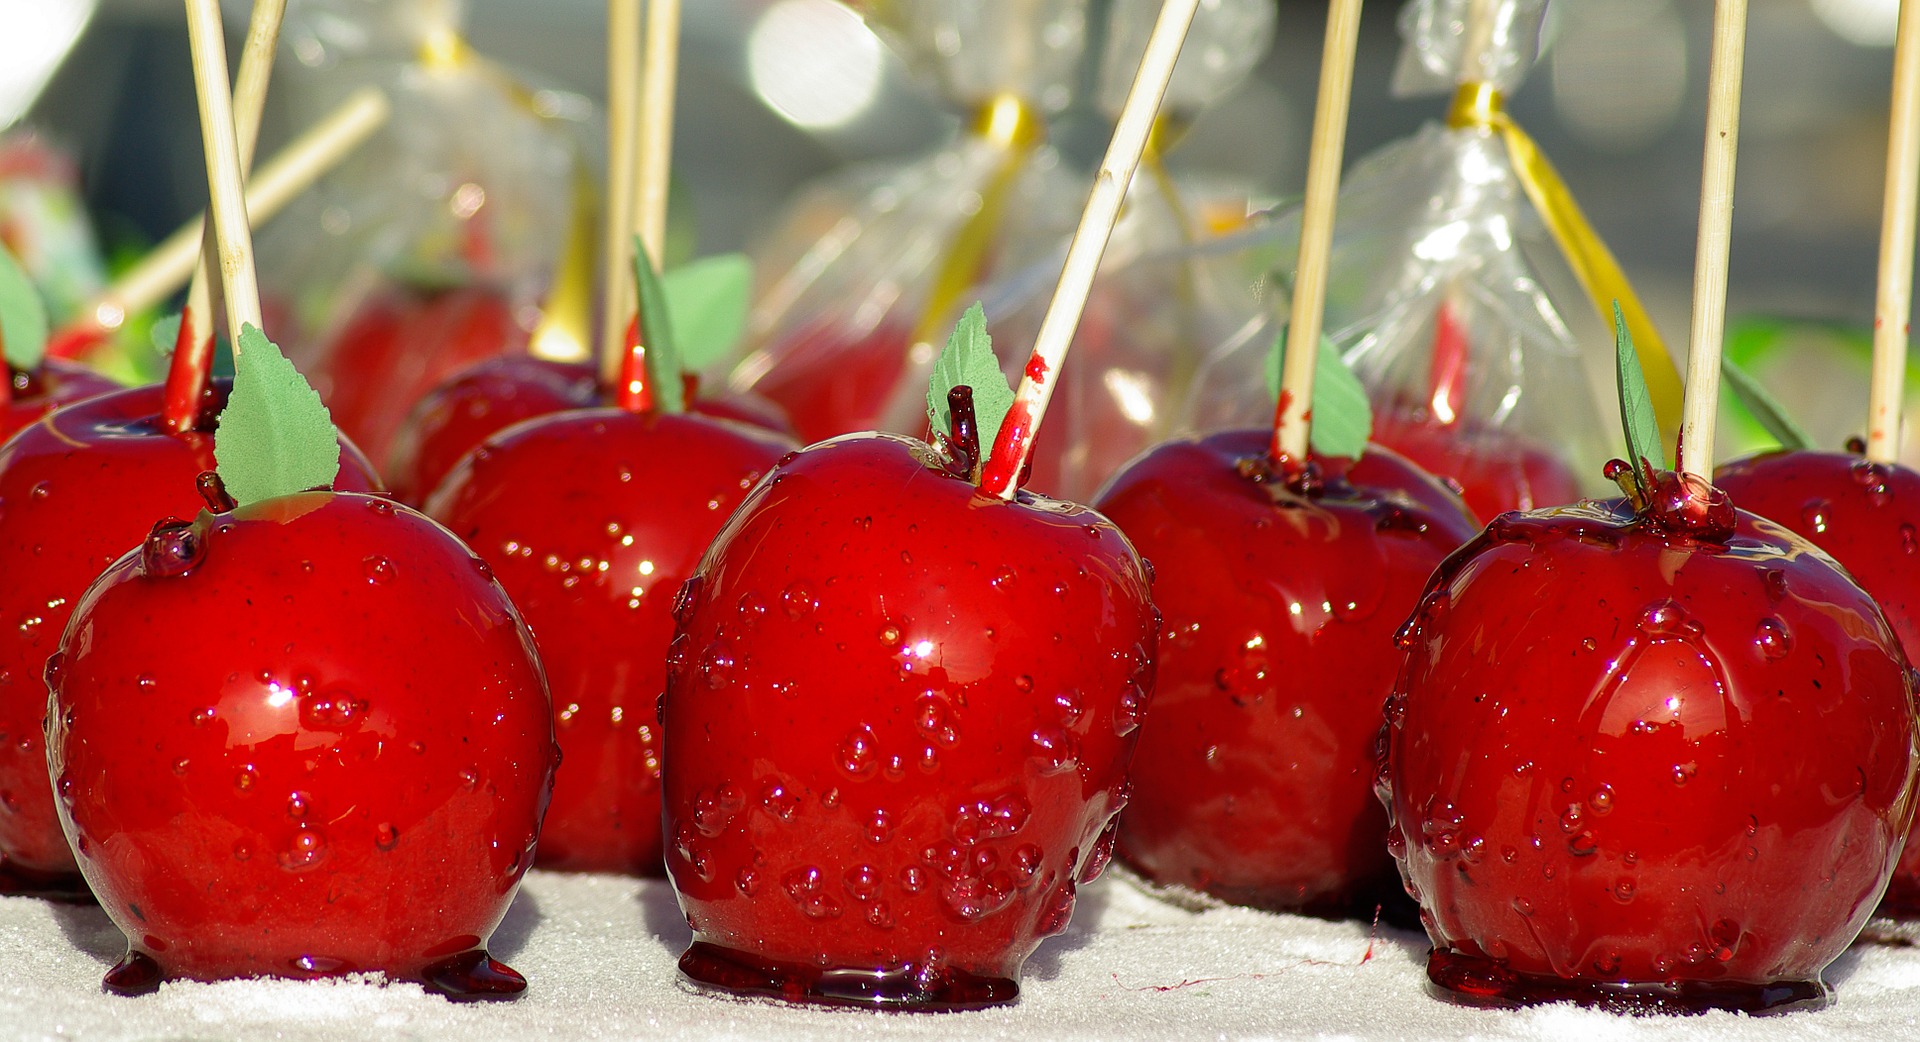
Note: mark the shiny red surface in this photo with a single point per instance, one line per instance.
(1493, 471)
(1863, 514)
(592, 520)
(1623, 761)
(475, 404)
(78, 489)
(1254, 777)
(345, 774)
(54, 384)
(487, 398)
(897, 721)
(399, 346)
(831, 380)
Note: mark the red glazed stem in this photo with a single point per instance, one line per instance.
(187, 377)
(633, 391)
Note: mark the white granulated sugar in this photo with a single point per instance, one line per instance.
(599, 955)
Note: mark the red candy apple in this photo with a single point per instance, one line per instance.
(1254, 777)
(1863, 514)
(398, 346)
(833, 380)
(592, 520)
(487, 398)
(32, 393)
(897, 721)
(1494, 471)
(77, 490)
(1663, 756)
(306, 737)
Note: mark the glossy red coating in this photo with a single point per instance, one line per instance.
(345, 774)
(1864, 515)
(897, 721)
(1494, 471)
(1254, 777)
(39, 391)
(78, 489)
(830, 380)
(489, 397)
(1628, 765)
(592, 520)
(399, 346)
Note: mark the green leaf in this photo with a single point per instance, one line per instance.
(1764, 407)
(968, 361)
(23, 315)
(275, 437)
(165, 333)
(708, 302)
(1636, 407)
(1342, 415)
(663, 361)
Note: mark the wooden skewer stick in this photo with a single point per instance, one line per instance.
(1292, 425)
(1893, 301)
(226, 186)
(1702, 402)
(1000, 476)
(654, 173)
(193, 348)
(292, 171)
(623, 79)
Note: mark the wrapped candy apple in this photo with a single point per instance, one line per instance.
(1458, 267)
(869, 267)
(440, 242)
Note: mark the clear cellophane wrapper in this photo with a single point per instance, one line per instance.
(860, 285)
(1451, 301)
(1161, 296)
(435, 243)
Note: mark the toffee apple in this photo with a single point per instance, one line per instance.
(898, 717)
(301, 791)
(1598, 758)
(592, 519)
(1861, 512)
(1254, 778)
(1599, 766)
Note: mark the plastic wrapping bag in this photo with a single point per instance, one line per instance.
(859, 286)
(464, 229)
(1462, 287)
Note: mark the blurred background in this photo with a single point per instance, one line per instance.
(774, 93)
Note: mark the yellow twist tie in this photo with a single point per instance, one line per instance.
(1479, 105)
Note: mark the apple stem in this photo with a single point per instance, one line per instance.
(167, 266)
(1694, 452)
(192, 363)
(1000, 475)
(965, 435)
(1893, 304)
(1293, 415)
(623, 86)
(226, 185)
